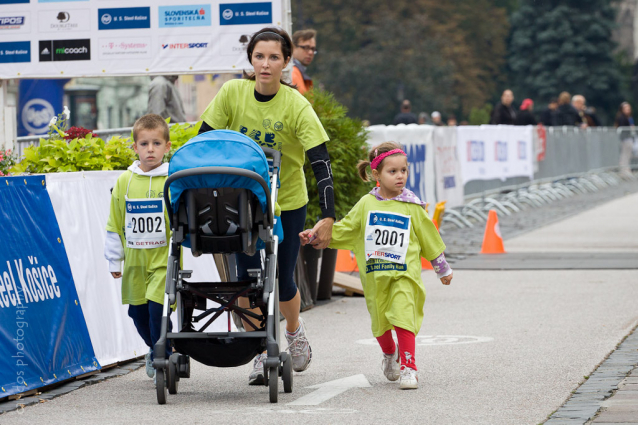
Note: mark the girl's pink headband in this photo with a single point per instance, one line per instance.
(376, 161)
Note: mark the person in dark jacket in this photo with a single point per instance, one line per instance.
(566, 114)
(503, 112)
(548, 116)
(625, 119)
(525, 116)
(405, 116)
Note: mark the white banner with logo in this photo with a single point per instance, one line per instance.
(81, 202)
(449, 180)
(417, 141)
(81, 38)
(495, 152)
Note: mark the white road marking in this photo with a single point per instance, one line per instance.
(438, 340)
(331, 389)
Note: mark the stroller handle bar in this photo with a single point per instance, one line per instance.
(269, 222)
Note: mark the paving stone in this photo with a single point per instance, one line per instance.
(617, 416)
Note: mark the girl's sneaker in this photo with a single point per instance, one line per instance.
(391, 366)
(150, 370)
(409, 379)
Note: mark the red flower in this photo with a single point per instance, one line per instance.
(78, 133)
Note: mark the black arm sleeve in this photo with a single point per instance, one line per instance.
(320, 162)
(204, 128)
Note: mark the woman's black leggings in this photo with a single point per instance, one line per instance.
(293, 223)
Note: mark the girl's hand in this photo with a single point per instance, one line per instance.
(306, 237)
(447, 279)
(116, 275)
(323, 233)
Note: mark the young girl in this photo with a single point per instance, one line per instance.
(389, 231)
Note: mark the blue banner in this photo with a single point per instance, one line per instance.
(197, 15)
(245, 13)
(124, 18)
(39, 101)
(43, 333)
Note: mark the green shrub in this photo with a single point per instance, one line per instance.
(56, 155)
(347, 146)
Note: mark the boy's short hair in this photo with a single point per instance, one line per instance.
(151, 122)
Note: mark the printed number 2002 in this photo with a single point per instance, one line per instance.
(145, 225)
(384, 237)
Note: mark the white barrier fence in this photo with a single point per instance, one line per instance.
(443, 159)
(81, 203)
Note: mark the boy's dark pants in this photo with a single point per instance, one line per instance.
(148, 321)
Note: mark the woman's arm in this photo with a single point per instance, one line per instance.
(320, 162)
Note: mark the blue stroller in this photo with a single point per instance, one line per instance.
(222, 202)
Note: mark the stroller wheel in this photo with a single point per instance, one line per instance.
(172, 376)
(160, 386)
(273, 384)
(286, 373)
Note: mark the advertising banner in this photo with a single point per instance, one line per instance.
(449, 181)
(84, 38)
(495, 152)
(418, 145)
(43, 334)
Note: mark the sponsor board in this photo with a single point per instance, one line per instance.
(234, 44)
(15, 52)
(124, 18)
(36, 115)
(65, 50)
(184, 46)
(197, 15)
(125, 47)
(245, 13)
(59, 20)
(11, 23)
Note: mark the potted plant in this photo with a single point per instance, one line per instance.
(347, 146)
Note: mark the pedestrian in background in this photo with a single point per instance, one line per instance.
(548, 116)
(525, 116)
(164, 99)
(566, 114)
(389, 230)
(579, 104)
(451, 121)
(436, 119)
(144, 252)
(625, 119)
(405, 116)
(423, 118)
(303, 53)
(503, 111)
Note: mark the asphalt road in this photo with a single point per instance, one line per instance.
(496, 347)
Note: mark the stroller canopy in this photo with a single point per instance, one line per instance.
(219, 148)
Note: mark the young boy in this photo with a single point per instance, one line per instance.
(137, 231)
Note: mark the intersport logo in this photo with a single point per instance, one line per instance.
(65, 50)
(184, 46)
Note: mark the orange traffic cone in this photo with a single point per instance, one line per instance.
(346, 261)
(492, 240)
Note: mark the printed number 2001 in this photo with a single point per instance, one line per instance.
(386, 237)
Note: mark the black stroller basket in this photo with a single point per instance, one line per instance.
(222, 221)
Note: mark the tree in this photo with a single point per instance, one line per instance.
(565, 45)
(442, 56)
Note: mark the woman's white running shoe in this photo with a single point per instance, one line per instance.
(256, 377)
(391, 366)
(409, 379)
(150, 370)
(299, 348)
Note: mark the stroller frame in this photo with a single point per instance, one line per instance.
(261, 290)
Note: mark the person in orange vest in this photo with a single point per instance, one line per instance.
(302, 55)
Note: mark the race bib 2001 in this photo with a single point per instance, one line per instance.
(387, 236)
